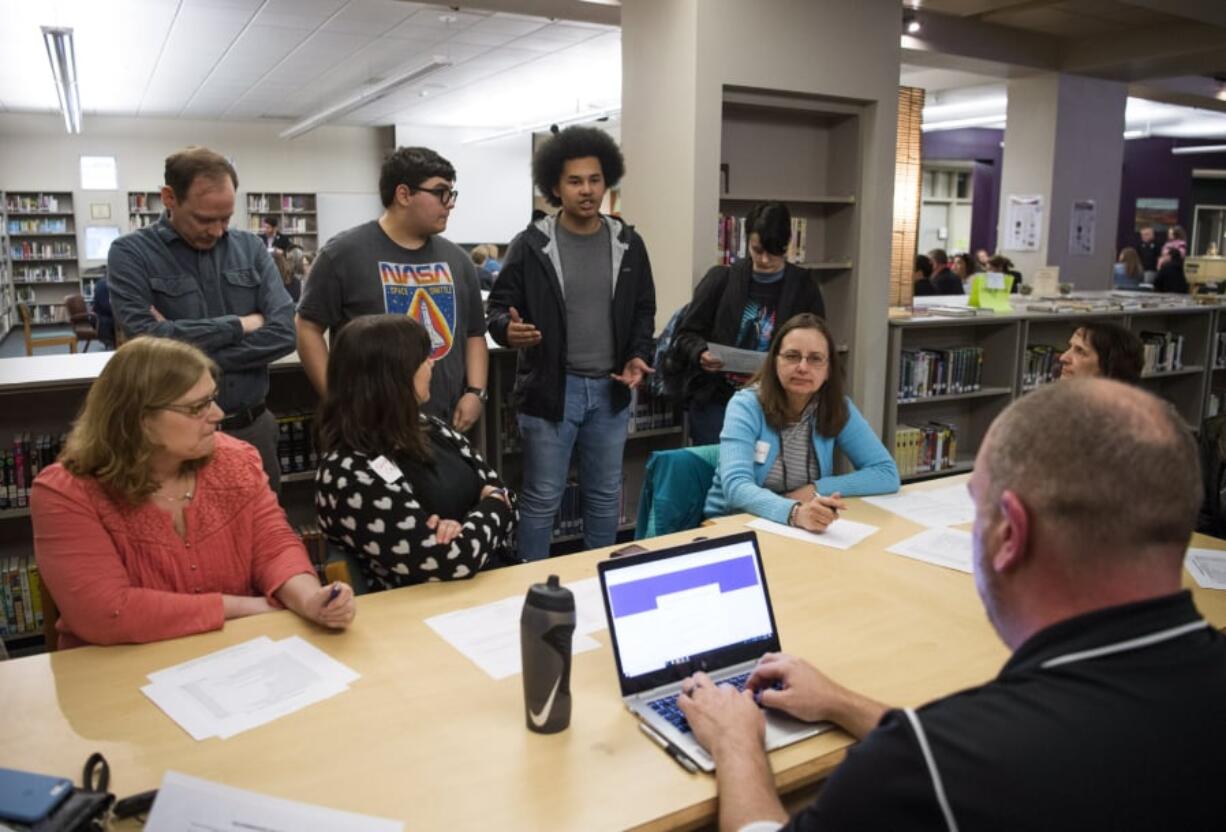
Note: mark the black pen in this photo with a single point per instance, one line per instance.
(673, 751)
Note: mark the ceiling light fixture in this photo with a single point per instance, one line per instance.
(63, 58)
(910, 22)
(365, 96)
(1204, 148)
(594, 115)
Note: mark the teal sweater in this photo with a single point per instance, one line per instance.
(738, 482)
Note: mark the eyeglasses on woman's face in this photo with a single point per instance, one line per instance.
(194, 410)
(793, 357)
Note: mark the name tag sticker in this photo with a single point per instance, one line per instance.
(387, 470)
(760, 450)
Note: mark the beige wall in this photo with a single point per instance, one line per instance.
(672, 91)
(37, 154)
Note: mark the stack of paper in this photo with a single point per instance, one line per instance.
(189, 803)
(1208, 567)
(950, 548)
(841, 534)
(488, 635)
(937, 508)
(249, 684)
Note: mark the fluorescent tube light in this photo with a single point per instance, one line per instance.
(63, 60)
(565, 121)
(365, 96)
(1204, 148)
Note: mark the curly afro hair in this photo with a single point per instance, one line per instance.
(575, 143)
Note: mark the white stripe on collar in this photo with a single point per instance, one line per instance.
(1130, 644)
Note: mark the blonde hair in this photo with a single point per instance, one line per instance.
(108, 440)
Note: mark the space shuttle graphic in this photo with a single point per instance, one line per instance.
(426, 312)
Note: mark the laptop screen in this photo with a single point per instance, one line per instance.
(695, 607)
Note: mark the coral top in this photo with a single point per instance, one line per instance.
(121, 573)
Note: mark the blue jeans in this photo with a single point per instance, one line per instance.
(600, 432)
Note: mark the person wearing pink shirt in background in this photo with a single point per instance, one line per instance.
(153, 525)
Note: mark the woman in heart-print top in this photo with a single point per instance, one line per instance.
(404, 493)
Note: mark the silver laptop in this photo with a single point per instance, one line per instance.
(699, 606)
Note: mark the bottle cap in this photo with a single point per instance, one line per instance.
(552, 596)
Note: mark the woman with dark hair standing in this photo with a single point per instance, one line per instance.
(738, 306)
(403, 492)
(776, 452)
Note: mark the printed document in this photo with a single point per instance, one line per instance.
(189, 804)
(935, 508)
(950, 548)
(737, 360)
(1207, 567)
(841, 534)
(244, 686)
(488, 635)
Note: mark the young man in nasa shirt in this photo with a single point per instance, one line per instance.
(399, 264)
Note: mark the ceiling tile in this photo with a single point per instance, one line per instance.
(370, 17)
(297, 14)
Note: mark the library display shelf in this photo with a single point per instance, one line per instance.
(1020, 352)
(39, 257)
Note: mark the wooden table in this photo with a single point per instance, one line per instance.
(426, 737)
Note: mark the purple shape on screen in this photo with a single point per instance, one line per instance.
(642, 595)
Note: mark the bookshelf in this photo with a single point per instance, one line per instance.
(295, 212)
(1185, 368)
(821, 140)
(946, 200)
(144, 208)
(40, 254)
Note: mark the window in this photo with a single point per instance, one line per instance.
(99, 173)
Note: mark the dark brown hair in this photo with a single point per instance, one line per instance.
(831, 405)
(370, 405)
(190, 163)
(1120, 352)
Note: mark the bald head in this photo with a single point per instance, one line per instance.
(1102, 465)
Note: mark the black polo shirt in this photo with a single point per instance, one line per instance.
(1112, 720)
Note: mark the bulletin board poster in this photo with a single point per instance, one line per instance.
(1024, 223)
(1081, 228)
(1159, 214)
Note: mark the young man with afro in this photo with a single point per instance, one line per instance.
(575, 296)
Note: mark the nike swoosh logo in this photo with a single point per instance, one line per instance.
(540, 719)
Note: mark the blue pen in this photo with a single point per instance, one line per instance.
(336, 590)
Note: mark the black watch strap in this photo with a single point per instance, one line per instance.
(478, 392)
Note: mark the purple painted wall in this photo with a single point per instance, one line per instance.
(981, 145)
(1151, 171)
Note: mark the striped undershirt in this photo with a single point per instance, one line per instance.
(796, 455)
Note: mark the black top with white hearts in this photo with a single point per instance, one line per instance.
(384, 523)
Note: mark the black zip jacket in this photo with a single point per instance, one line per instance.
(532, 282)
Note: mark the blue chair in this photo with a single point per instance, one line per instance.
(675, 488)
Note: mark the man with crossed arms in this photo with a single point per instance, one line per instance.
(1111, 712)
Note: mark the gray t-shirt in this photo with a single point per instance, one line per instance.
(363, 272)
(587, 282)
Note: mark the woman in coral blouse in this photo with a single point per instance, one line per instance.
(154, 525)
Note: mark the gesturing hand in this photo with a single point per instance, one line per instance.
(633, 373)
(520, 334)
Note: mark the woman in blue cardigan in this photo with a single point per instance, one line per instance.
(776, 451)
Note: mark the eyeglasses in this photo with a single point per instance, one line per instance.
(792, 358)
(194, 411)
(445, 195)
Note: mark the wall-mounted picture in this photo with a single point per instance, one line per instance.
(1160, 214)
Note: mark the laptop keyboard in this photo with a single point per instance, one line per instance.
(666, 706)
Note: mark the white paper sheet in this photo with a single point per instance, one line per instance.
(841, 534)
(247, 685)
(950, 548)
(1207, 567)
(938, 508)
(488, 635)
(737, 360)
(189, 804)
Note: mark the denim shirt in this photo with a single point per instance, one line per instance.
(202, 295)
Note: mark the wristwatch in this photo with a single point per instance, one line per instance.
(478, 392)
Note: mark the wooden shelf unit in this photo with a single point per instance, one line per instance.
(144, 208)
(296, 213)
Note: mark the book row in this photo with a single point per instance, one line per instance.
(925, 449)
(1162, 352)
(47, 226)
(924, 373)
(28, 250)
(41, 274)
(21, 600)
(296, 443)
(20, 463)
(262, 204)
(1040, 365)
(32, 203)
(144, 202)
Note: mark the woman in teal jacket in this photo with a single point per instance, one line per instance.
(776, 451)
